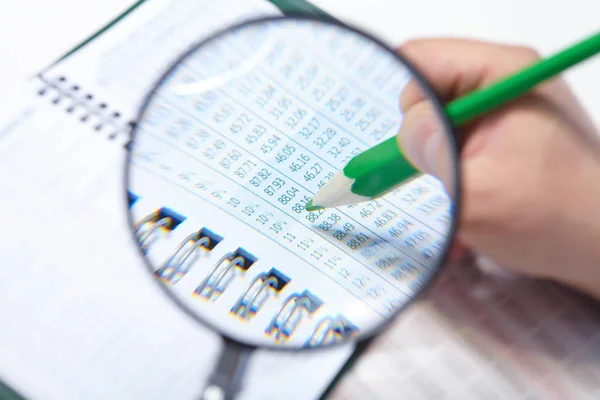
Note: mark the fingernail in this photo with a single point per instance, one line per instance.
(421, 141)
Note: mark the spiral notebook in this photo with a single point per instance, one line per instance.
(91, 323)
(82, 318)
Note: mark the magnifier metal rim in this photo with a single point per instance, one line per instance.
(428, 90)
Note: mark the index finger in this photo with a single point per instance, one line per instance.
(454, 67)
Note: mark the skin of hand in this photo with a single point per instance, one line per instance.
(530, 170)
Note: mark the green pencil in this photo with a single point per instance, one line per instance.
(382, 168)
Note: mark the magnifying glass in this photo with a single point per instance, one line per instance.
(230, 145)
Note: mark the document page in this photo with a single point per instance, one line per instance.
(81, 316)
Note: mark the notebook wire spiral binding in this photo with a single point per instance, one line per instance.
(284, 324)
(242, 308)
(258, 292)
(150, 228)
(331, 330)
(175, 265)
(84, 106)
(328, 326)
(215, 282)
(145, 236)
(297, 307)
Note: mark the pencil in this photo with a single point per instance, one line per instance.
(382, 168)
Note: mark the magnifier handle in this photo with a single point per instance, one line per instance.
(226, 379)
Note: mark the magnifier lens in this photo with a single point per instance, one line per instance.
(231, 145)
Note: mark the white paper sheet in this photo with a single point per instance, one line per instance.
(81, 316)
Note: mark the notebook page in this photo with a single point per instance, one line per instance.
(80, 315)
(16, 106)
(122, 65)
(75, 318)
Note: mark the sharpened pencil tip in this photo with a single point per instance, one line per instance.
(311, 207)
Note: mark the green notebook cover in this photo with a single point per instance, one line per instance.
(287, 7)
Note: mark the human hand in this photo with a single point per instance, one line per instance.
(530, 170)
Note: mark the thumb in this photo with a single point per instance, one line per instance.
(424, 141)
